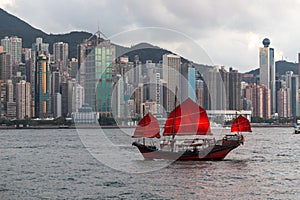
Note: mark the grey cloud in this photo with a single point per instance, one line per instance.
(221, 27)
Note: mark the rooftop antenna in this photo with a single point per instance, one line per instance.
(98, 33)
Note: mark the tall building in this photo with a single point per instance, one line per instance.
(61, 55)
(42, 87)
(78, 97)
(259, 96)
(292, 82)
(283, 102)
(215, 89)
(38, 48)
(192, 83)
(73, 68)
(118, 98)
(10, 103)
(172, 75)
(55, 88)
(13, 46)
(234, 94)
(57, 105)
(299, 67)
(23, 100)
(267, 71)
(95, 60)
(5, 66)
(2, 97)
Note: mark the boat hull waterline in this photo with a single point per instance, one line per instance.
(215, 152)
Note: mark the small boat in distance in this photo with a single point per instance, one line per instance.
(297, 127)
(182, 135)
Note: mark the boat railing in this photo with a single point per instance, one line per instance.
(187, 144)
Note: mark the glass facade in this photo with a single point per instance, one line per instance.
(97, 75)
(42, 88)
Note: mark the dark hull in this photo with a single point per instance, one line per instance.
(215, 152)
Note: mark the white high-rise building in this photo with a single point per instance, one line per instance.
(267, 71)
(78, 97)
(171, 74)
(23, 99)
(57, 105)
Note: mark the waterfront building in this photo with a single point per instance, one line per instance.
(283, 102)
(61, 55)
(23, 99)
(42, 87)
(259, 95)
(118, 101)
(172, 75)
(192, 83)
(95, 67)
(234, 90)
(215, 87)
(78, 97)
(292, 83)
(10, 103)
(267, 71)
(57, 105)
(85, 115)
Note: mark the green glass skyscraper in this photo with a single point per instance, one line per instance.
(95, 68)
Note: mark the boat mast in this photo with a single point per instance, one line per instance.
(173, 125)
(236, 116)
(174, 117)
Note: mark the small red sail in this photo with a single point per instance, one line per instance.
(148, 127)
(187, 119)
(241, 124)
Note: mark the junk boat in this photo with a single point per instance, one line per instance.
(182, 135)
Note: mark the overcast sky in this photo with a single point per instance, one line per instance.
(225, 33)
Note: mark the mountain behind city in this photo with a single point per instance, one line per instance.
(11, 25)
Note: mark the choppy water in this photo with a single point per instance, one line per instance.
(54, 164)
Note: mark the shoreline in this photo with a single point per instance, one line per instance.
(253, 125)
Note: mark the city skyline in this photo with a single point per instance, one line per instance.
(206, 23)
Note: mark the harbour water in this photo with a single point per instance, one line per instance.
(57, 164)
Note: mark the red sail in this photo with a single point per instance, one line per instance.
(187, 119)
(241, 124)
(148, 127)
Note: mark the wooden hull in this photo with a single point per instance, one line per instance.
(214, 152)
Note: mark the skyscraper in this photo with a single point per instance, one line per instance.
(5, 66)
(61, 55)
(292, 83)
(96, 59)
(234, 94)
(215, 87)
(171, 74)
(192, 83)
(259, 95)
(23, 99)
(283, 102)
(267, 71)
(42, 87)
(13, 46)
(10, 103)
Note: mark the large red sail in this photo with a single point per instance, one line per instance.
(148, 127)
(187, 119)
(241, 124)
